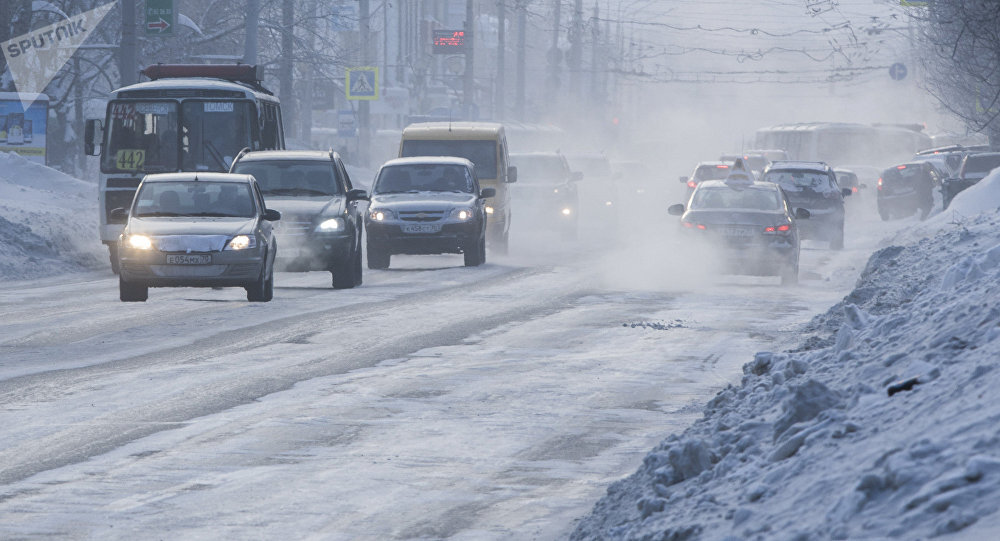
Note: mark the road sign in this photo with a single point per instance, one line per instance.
(160, 17)
(362, 83)
(897, 71)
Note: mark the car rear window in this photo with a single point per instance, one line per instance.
(728, 198)
(711, 172)
(800, 180)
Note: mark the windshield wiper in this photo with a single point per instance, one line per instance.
(215, 215)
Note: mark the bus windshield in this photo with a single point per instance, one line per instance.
(142, 137)
(157, 136)
(482, 154)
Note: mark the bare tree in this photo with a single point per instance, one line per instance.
(962, 42)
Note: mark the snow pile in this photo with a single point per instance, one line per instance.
(48, 221)
(883, 424)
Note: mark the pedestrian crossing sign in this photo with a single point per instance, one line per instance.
(362, 83)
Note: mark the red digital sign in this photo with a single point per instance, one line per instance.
(449, 41)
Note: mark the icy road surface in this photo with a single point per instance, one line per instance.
(433, 402)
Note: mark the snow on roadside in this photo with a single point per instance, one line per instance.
(48, 221)
(881, 424)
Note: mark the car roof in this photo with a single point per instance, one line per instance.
(801, 165)
(429, 160)
(191, 176)
(742, 185)
(714, 163)
(453, 130)
(288, 155)
(536, 154)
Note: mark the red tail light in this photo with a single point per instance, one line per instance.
(692, 184)
(692, 225)
(784, 228)
(879, 183)
(900, 167)
(722, 167)
(854, 189)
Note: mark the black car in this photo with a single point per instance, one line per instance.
(546, 194)
(813, 186)
(751, 222)
(706, 171)
(196, 230)
(427, 205)
(322, 222)
(906, 188)
(974, 168)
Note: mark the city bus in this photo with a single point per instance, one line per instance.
(840, 143)
(184, 118)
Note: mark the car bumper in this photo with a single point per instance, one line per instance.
(317, 252)
(224, 269)
(451, 239)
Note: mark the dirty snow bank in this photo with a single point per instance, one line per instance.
(812, 445)
(48, 221)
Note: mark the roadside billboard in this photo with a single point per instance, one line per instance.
(23, 131)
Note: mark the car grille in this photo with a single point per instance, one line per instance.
(293, 227)
(421, 215)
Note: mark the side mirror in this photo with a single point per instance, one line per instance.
(684, 180)
(272, 215)
(358, 195)
(575, 176)
(846, 191)
(675, 210)
(93, 132)
(511, 174)
(802, 214)
(488, 192)
(118, 216)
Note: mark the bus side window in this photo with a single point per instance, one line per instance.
(269, 132)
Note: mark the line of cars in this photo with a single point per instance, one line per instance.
(200, 229)
(757, 220)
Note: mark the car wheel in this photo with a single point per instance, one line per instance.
(345, 274)
(837, 243)
(131, 292)
(475, 255)
(262, 290)
(113, 256)
(377, 257)
(358, 275)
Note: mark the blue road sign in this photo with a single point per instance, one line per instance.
(897, 71)
(362, 83)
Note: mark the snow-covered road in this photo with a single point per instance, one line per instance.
(434, 402)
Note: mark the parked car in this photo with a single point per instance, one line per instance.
(752, 223)
(321, 220)
(197, 230)
(906, 188)
(546, 194)
(974, 168)
(427, 205)
(813, 186)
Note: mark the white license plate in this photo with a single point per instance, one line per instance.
(189, 259)
(421, 228)
(739, 232)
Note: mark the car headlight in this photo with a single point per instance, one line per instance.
(332, 224)
(489, 209)
(380, 215)
(567, 211)
(463, 214)
(140, 242)
(242, 242)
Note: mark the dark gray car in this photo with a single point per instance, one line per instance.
(321, 216)
(427, 205)
(197, 230)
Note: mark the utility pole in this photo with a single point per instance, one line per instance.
(501, 60)
(126, 54)
(286, 66)
(469, 89)
(522, 21)
(555, 54)
(576, 49)
(595, 34)
(364, 115)
(306, 101)
(250, 39)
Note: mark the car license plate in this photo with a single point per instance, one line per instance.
(421, 228)
(739, 232)
(189, 259)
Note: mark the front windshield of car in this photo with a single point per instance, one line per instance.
(141, 137)
(797, 181)
(213, 133)
(483, 154)
(194, 198)
(729, 198)
(417, 178)
(711, 172)
(980, 165)
(540, 169)
(296, 178)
